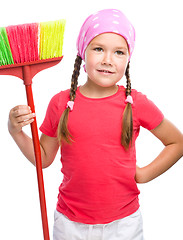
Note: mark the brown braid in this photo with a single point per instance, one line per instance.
(127, 122)
(63, 132)
(128, 81)
(74, 79)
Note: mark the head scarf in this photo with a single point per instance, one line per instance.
(105, 21)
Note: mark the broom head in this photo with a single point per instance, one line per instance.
(38, 45)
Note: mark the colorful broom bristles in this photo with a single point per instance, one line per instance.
(23, 41)
(5, 51)
(31, 42)
(51, 39)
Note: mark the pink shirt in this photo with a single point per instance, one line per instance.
(98, 185)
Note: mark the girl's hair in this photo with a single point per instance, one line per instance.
(62, 131)
(127, 121)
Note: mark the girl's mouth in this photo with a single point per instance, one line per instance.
(105, 71)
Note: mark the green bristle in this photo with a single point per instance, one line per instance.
(5, 51)
(51, 39)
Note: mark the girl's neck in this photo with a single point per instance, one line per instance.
(91, 90)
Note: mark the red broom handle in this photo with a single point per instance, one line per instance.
(37, 151)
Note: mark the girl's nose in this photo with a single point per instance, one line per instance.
(107, 58)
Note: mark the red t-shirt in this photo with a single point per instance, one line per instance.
(98, 174)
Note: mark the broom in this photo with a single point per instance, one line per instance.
(25, 50)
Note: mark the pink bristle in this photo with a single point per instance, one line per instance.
(26, 52)
(24, 42)
(11, 36)
(34, 44)
(20, 44)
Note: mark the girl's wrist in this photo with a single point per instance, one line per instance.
(141, 175)
(13, 131)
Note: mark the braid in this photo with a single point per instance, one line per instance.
(74, 79)
(127, 122)
(128, 81)
(63, 132)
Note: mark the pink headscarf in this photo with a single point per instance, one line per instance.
(105, 21)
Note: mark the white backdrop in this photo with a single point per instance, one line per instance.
(156, 70)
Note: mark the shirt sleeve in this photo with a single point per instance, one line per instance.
(148, 114)
(51, 120)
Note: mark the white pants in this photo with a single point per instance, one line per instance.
(128, 228)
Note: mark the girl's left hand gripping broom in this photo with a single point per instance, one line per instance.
(25, 50)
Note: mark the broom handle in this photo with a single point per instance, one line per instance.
(37, 151)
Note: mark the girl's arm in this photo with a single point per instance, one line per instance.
(172, 139)
(21, 116)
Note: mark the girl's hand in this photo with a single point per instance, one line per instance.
(138, 175)
(19, 117)
(141, 175)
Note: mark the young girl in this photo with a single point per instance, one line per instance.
(96, 126)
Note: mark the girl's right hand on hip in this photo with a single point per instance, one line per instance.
(19, 117)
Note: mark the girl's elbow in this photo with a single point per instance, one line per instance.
(46, 164)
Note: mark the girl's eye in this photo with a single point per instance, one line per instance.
(98, 49)
(119, 52)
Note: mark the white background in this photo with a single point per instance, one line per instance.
(156, 70)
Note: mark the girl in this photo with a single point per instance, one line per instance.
(96, 126)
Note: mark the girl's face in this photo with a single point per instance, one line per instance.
(106, 59)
